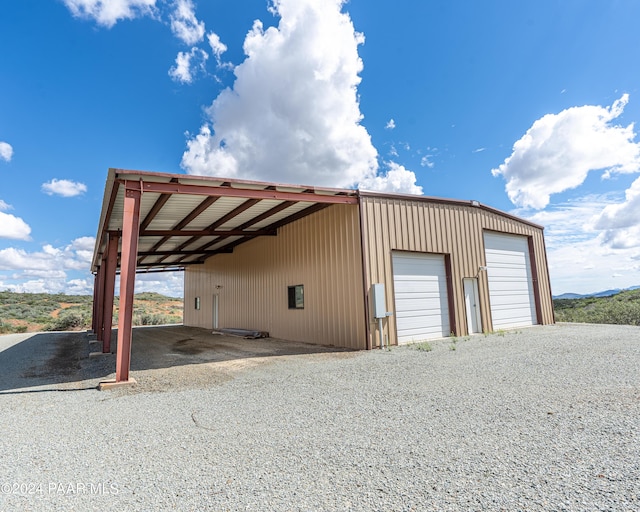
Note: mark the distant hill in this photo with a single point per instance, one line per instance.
(605, 293)
(620, 308)
(33, 312)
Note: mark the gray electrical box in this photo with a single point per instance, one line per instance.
(379, 302)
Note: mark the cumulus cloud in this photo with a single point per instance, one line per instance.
(166, 283)
(6, 151)
(396, 180)
(391, 124)
(13, 227)
(621, 222)
(184, 24)
(188, 64)
(579, 259)
(218, 48)
(293, 113)
(51, 285)
(64, 188)
(108, 12)
(559, 150)
(49, 261)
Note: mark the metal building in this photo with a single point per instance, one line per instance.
(320, 265)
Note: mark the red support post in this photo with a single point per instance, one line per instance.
(109, 289)
(94, 303)
(100, 303)
(130, 232)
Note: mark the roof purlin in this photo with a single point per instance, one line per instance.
(198, 210)
(224, 219)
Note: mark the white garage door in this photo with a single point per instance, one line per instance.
(421, 306)
(510, 280)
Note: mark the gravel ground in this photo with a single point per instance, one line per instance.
(542, 419)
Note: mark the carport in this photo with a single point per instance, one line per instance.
(154, 222)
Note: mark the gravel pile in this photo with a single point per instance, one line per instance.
(546, 418)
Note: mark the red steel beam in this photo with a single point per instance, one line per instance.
(203, 190)
(109, 290)
(94, 302)
(99, 302)
(155, 209)
(130, 232)
(207, 232)
(221, 221)
(204, 205)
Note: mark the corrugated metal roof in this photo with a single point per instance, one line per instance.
(185, 219)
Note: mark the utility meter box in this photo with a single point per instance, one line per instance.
(379, 301)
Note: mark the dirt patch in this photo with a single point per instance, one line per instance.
(63, 305)
(190, 346)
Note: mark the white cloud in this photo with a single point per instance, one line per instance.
(166, 283)
(559, 150)
(64, 188)
(109, 12)
(184, 24)
(426, 162)
(73, 256)
(6, 151)
(293, 113)
(13, 227)
(217, 46)
(391, 124)
(580, 260)
(396, 180)
(188, 64)
(624, 214)
(479, 150)
(51, 285)
(5, 206)
(49, 270)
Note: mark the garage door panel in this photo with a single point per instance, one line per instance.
(434, 308)
(421, 303)
(510, 280)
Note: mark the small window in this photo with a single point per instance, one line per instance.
(197, 303)
(296, 296)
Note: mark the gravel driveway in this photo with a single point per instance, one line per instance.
(546, 418)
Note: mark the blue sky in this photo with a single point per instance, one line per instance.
(525, 106)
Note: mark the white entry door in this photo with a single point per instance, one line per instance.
(472, 306)
(420, 295)
(215, 311)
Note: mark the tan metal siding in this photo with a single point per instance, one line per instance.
(437, 227)
(320, 251)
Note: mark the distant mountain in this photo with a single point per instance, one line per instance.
(569, 296)
(605, 293)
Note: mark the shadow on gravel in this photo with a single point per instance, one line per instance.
(43, 359)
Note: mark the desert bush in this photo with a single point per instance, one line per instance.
(623, 308)
(150, 319)
(69, 320)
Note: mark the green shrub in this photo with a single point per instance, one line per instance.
(623, 308)
(70, 320)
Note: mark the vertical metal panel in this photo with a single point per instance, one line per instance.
(321, 251)
(443, 228)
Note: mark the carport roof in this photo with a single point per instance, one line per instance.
(185, 219)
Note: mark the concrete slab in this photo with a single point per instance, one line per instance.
(97, 354)
(162, 358)
(113, 384)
